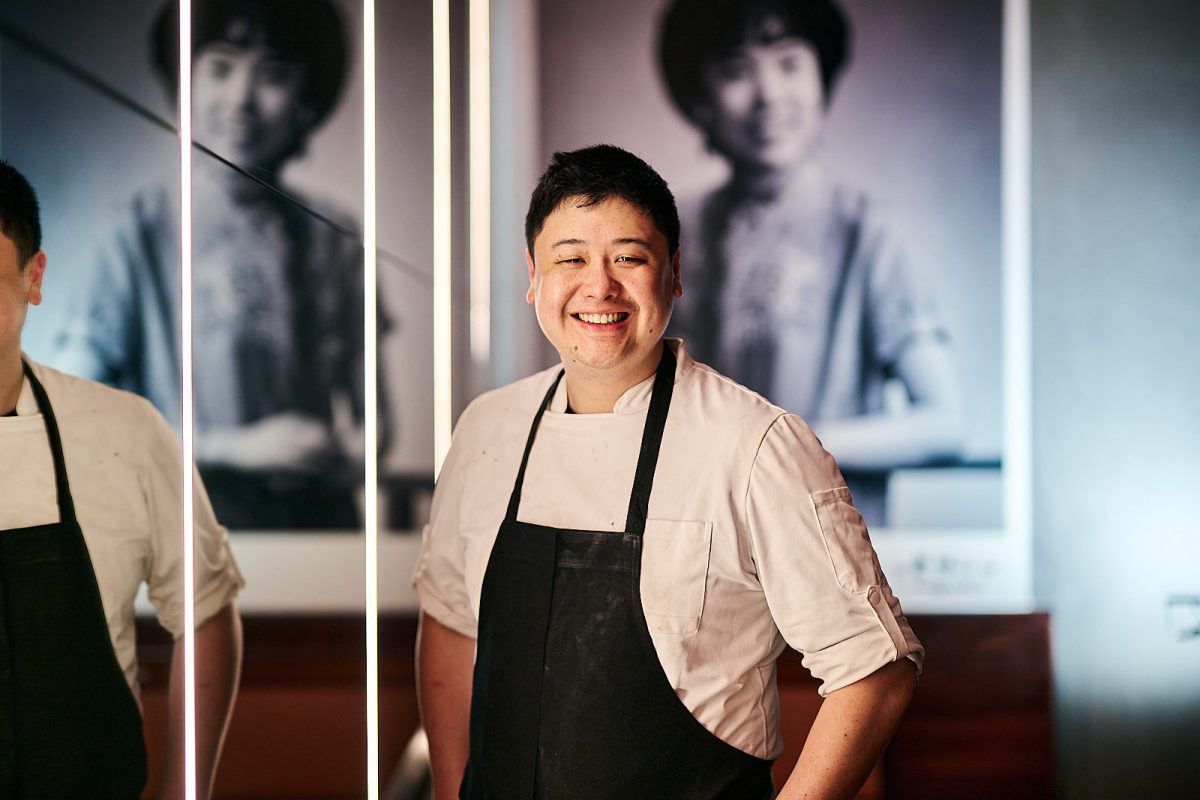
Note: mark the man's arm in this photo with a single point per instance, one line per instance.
(218, 666)
(445, 663)
(853, 726)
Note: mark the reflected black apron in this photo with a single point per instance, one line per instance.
(69, 725)
(569, 698)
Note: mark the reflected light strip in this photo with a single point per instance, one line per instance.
(187, 412)
(442, 324)
(371, 402)
(480, 126)
(1018, 366)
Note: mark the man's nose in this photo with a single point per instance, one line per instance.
(599, 281)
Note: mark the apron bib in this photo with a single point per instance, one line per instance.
(69, 725)
(569, 698)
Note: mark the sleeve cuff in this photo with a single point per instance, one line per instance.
(876, 646)
(435, 607)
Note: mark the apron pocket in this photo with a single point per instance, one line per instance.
(674, 574)
(846, 539)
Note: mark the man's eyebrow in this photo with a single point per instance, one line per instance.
(620, 240)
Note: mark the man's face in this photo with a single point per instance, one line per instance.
(765, 105)
(247, 104)
(602, 283)
(18, 288)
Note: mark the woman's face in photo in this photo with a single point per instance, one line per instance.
(765, 106)
(248, 104)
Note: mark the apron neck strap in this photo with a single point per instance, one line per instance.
(643, 477)
(515, 500)
(66, 506)
(656, 422)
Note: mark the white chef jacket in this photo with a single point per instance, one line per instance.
(752, 540)
(123, 464)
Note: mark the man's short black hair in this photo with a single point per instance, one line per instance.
(19, 218)
(598, 173)
(696, 31)
(307, 32)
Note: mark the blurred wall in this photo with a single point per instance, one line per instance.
(1116, 290)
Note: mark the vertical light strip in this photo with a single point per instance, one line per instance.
(479, 123)
(1018, 317)
(185, 339)
(371, 402)
(442, 322)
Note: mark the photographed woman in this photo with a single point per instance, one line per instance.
(793, 284)
(277, 275)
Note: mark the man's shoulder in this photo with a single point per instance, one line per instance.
(87, 402)
(722, 394)
(739, 423)
(516, 401)
(717, 403)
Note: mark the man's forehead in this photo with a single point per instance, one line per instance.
(578, 212)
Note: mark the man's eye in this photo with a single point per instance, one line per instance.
(572, 260)
(630, 260)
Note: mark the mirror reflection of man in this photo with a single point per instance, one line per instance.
(621, 547)
(276, 292)
(797, 288)
(90, 506)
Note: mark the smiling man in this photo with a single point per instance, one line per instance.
(90, 510)
(621, 547)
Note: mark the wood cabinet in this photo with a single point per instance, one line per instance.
(979, 727)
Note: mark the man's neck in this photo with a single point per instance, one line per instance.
(12, 377)
(591, 391)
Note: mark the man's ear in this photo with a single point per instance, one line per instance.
(678, 288)
(529, 266)
(35, 270)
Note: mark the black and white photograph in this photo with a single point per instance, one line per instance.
(838, 170)
(277, 253)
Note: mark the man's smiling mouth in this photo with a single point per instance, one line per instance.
(602, 319)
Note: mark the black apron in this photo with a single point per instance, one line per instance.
(69, 725)
(569, 698)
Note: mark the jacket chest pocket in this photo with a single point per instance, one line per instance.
(675, 559)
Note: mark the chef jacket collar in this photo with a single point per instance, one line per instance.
(636, 398)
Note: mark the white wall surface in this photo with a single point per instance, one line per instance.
(1116, 201)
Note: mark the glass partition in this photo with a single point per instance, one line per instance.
(87, 112)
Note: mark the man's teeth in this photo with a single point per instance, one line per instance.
(602, 319)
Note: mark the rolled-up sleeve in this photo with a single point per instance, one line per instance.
(439, 574)
(217, 578)
(818, 569)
